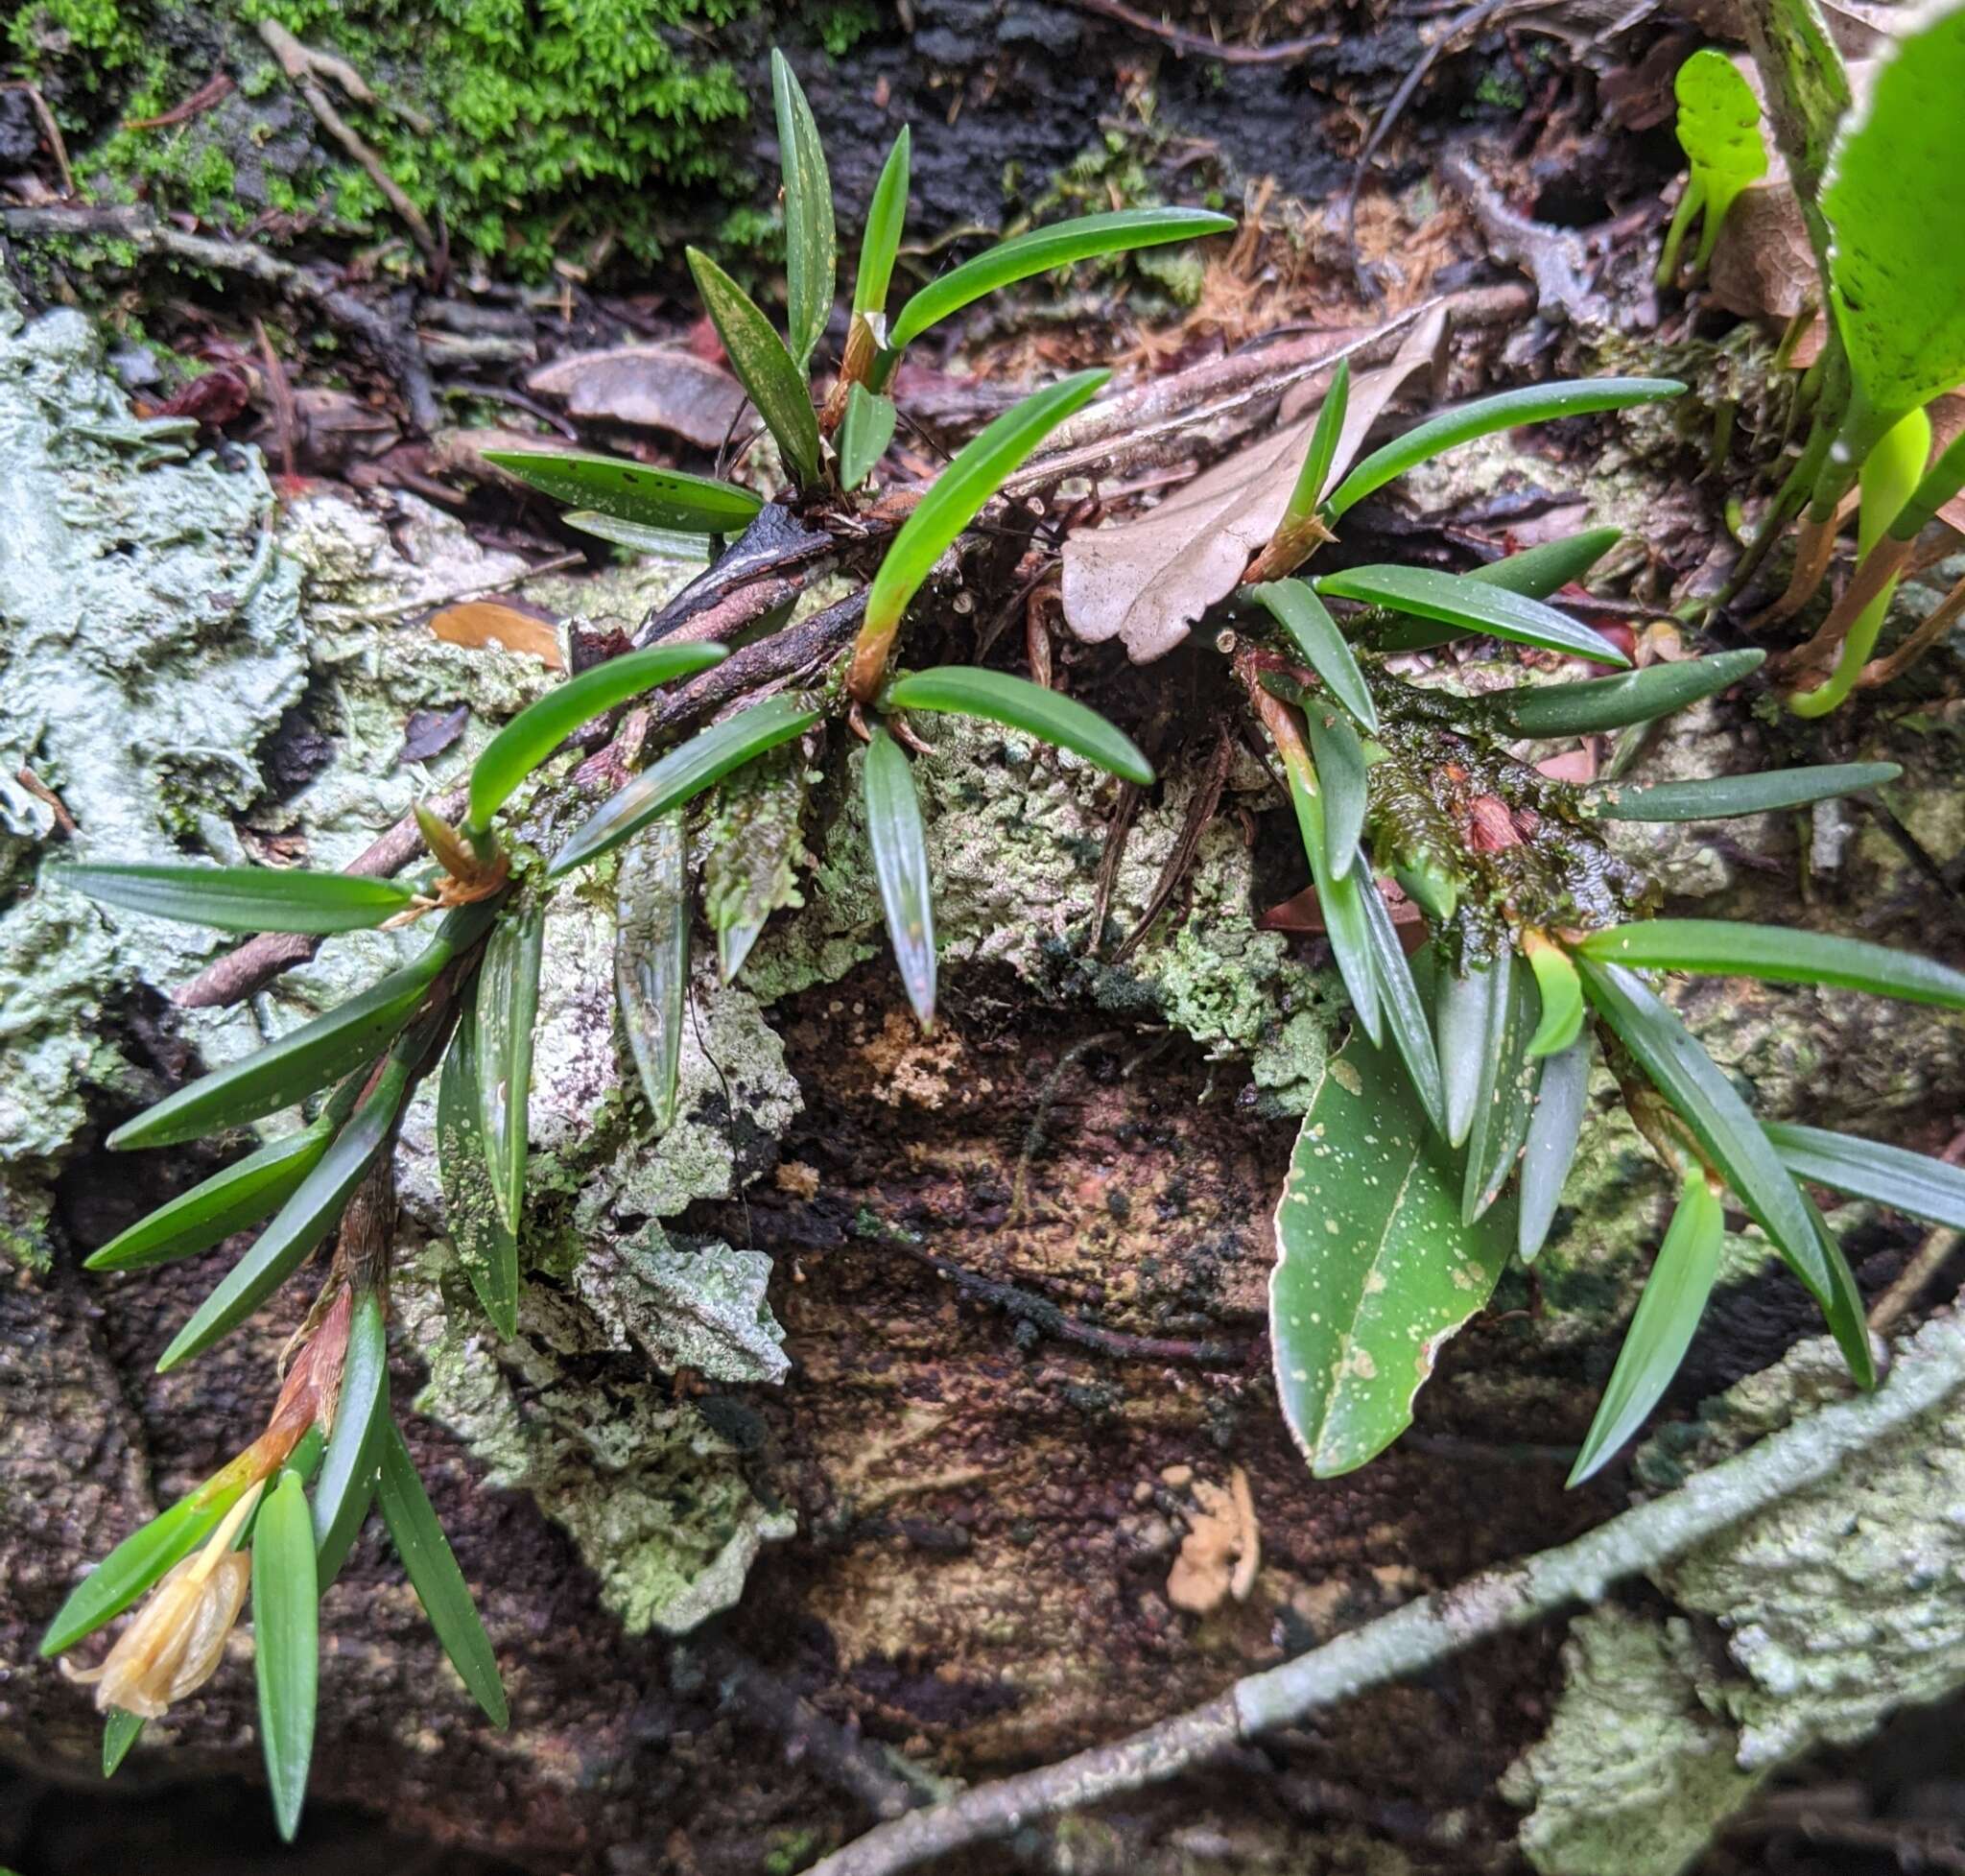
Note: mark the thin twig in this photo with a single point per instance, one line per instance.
(51, 130)
(1283, 52)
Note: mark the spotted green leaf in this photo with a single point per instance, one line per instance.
(1504, 1097)
(1720, 797)
(900, 865)
(353, 1458)
(1780, 953)
(1471, 606)
(969, 691)
(1867, 1169)
(753, 839)
(1304, 616)
(485, 1245)
(243, 898)
(810, 244)
(632, 491)
(507, 1004)
(1405, 1007)
(1341, 897)
(286, 1644)
(651, 956)
(1343, 776)
(767, 372)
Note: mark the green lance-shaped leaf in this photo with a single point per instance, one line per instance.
(243, 898)
(811, 250)
(304, 1221)
(664, 543)
(900, 865)
(1536, 573)
(1554, 1128)
(286, 1644)
(1343, 776)
(1909, 1182)
(651, 956)
(1733, 1140)
(977, 470)
(485, 1245)
(1297, 609)
(1470, 1012)
(1631, 697)
(1780, 953)
(1505, 1097)
(541, 727)
(1482, 417)
(1405, 1009)
(432, 1572)
(1374, 1269)
(885, 215)
(1341, 897)
(1039, 252)
(353, 1459)
(1719, 131)
(666, 499)
(120, 1732)
(682, 774)
(1323, 452)
(507, 1008)
(1720, 797)
(1469, 606)
(251, 1189)
(966, 690)
(1561, 994)
(1661, 1330)
(306, 1058)
(768, 373)
(754, 843)
(864, 433)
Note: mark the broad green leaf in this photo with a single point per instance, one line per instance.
(486, 1245)
(1705, 1101)
(243, 898)
(1661, 1330)
(1341, 773)
(886, 214)
(900, 865)
(508, 1008)
(1405, 1009)
(1341, 897)
(1323, 447)
(1505, 1097)
(432, 1572)
(541, 727)
(864, 433)
(665, 544)
(764, 367)
(1471, 1011)
(1867, 1169)
(966, 690)
(1719, 131)
(355, 1442)
(1894, 199)
(682, 774)
(252, 1189)
(754, 845)
(1482, 417)
(651, 956)
(306, 1058)
(1554, 1130)
(1781, 954)
(1375, 1270)
(1561, 995)
(120, 1731)
(302, 1223)
(1471, 606)
(1536, 573)
(632, 491)
(1720, 797)
(1631, 697)
(1297, 609)
(1040, 251)
(286, 1645)
(812, 252)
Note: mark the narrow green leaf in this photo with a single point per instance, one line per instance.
(252, 1189)
(1340, 897)
(769, 373)
(1555, 1126)
(301, 1224)
(1375, 1270)
(1343, 774)
(1043, 248)
(900, 865)
(1631, 697)
(286, 1645)
(1704, 1099)
(1323, 452)
(967, 690)
(682, 774)
(541, 727)
(243, 898)
(811, 250)
(1505, 1098)
(486, 1245)
(632, 491)
(885, 215)
(1297, 609)
(1405, 1016)
(120, 1731)
(1720, 797)
(864, 433)
(1472, 605)
(1471, 1009)
(664, 543)
(651, 956)
(1539, 572)
(138, 1562)
(432, 1572)
(355, 1441)
(1662, 1328)
(1482, 417)
(1780, 953)
(1908, 1182)
(1561, 995)
(508, 1008)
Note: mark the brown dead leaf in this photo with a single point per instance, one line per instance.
(653, 387)
(1148, 581)
(488, 623)
(1762, 267)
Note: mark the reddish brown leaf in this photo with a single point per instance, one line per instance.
(490, 623)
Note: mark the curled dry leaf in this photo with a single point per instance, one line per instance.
(489, 623)
(1147, 581)
(652, 387)
(1763, 267)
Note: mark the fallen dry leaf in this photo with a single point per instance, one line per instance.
(488, 624)
(1762, 267)
(653, 387)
